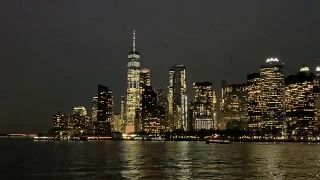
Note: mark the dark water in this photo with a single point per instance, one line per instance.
(25, 159)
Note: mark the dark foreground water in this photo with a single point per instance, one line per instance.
(25, 159)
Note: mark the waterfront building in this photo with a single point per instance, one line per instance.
(177, 97)
(60, 121)
(152, 116)
(117, 123)
(272, 95)
(191, 121)
(203, 112)
(80, 118)
(300, 104)
(123, 113)
(253, 88)
(162, 106)
(103, 106)
(133, 89)
(233, 106)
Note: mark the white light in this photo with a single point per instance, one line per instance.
(304, 69)
(272, 60)
(318, 68)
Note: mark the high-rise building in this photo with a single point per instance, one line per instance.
(133, 89)
(177, 97)
(144, 79)
(300, 104)
(103, 107)
(117, 123)
(203, 112)
(214, 104)
(148, 114)
(272, 95)
(162, 106)
(94, 112)
(153, 116)
(123, 112)
(254, 101)
(161, 98)
(80, 118)
(61, 121)
(191, 121)
(316, 90)
(233, 106)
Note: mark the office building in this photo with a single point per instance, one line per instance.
(300, 104)
(272, 95)
(152, 117)
(177, 97)
(253, 88)
(233, 106)
(133, 89)
(103, 107)
(203, 112)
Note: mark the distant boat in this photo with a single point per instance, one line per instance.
(217, 140)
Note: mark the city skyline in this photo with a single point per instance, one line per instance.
(39, 71)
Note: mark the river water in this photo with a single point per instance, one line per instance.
(25, 159)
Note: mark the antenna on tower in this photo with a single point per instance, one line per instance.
(134, 40)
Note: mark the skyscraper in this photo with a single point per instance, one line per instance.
(233, 106)
(203, 111)
(272, 95)
(144, 79)
(133, 88)
(254, 101)
(177, 97)
(300, 104)
(80, 118)
(123, 112)
(162, 107)
(103, 106)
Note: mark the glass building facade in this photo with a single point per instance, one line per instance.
(133, 89)
(177, 97)
(272, 95)
(203, 106)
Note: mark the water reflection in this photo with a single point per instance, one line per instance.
(159, 160)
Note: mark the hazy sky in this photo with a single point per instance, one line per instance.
(54, 53)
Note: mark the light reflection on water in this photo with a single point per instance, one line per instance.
(157, 160)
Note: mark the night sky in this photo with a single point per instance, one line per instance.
(54, 53)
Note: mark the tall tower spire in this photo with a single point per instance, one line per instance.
(134, 40)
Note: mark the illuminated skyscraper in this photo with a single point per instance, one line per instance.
(103, 107)
(59, 121)
(233, 106)
(144, 79)
(272, 95)
(254, 101)
(123, 112)
(316, 90)
(203, 111)
(153, 116)
(94, 113)
(133, 89)
(117, 123)
(300, 104)
(177, 97)
(80, 118)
